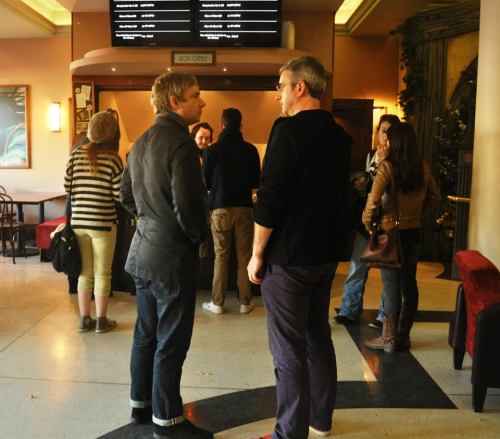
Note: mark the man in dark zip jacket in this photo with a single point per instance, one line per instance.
(232, 170)
(300, 229)
(162, 186)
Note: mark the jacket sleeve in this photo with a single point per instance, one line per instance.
(255, 177)
(379, 187)
(278, 173)
(189, 195)
(126, 194)
(208, 168)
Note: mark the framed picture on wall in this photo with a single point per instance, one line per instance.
(14, 127)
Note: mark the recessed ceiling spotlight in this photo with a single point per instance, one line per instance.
(169, 69)
(113, 69)
(224, 69)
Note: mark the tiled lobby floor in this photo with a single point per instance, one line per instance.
(57, 383)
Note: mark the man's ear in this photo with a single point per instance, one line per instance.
(174, 102)
(301, 88)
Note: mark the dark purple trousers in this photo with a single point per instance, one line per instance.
(297, 301)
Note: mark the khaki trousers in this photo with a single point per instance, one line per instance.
(97, 248)
(226, 222)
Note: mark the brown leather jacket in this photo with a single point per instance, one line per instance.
(410, 205)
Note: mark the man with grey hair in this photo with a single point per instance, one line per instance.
(162, 186)
(300, 227)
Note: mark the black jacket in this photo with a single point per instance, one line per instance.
(304, 190)
(162, 186)
(232, 169)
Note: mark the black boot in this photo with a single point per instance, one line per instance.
(142, 415)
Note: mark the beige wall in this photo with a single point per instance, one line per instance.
(43, 64)
(91, 30)
(461, 52)
(314, 33)
(367, 68)
(259, 110)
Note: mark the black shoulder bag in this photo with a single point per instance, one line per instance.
(64, 249)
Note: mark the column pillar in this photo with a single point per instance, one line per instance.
(484, 218)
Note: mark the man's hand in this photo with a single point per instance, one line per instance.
(254, 269)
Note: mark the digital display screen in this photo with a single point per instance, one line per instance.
(234, 23)
(196, 23)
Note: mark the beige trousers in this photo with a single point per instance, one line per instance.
(226, 223)
(97, 248)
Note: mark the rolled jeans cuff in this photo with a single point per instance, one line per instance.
(168, 422)
(140, 404)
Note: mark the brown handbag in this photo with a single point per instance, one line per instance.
(384, 247)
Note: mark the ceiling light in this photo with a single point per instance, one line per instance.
(347, 8)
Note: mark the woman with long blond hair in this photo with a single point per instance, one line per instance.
(93, 175)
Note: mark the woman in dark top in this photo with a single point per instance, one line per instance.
(402, 185)
(94, 174)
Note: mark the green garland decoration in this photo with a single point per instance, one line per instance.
(411, 60)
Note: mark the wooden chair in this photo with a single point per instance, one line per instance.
(9, 227)
(4, 192)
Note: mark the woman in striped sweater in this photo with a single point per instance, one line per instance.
(94, 173)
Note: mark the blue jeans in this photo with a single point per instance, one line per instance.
(165, 316)
(297, 301)
(354, 286)
(400, 286)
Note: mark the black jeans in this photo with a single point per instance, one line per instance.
(165, 316)
(297, 303)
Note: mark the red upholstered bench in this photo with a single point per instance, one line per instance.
(476, 327)
(44, 230)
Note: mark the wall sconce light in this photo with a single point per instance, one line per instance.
(55, 117)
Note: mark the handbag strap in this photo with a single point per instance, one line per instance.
(396, 196)
(68, 201)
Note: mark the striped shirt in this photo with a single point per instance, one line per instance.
(93, 193)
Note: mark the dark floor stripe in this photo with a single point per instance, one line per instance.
(401, 383)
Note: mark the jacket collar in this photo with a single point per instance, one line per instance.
(171, 117)
(230, 135)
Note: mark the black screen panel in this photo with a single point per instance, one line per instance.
(195, 23)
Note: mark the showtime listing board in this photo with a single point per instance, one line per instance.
(151, 23)
(238, 23)
(253, 23)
